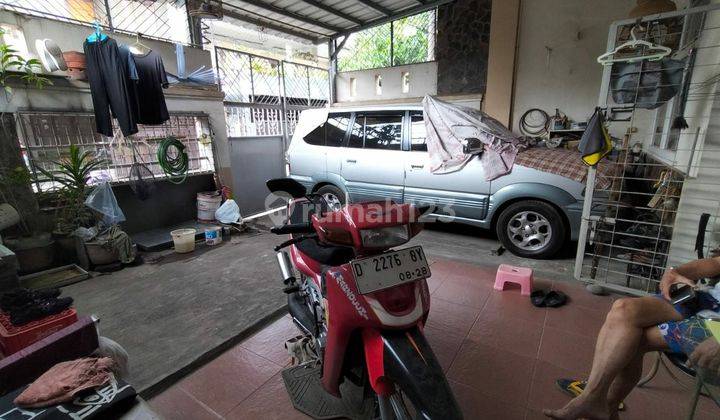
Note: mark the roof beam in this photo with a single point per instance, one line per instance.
(293, 15)
(274, 27)
(371, 4)
(334, 11)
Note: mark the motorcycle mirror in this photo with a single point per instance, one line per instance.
(473, 145)
(287, 185)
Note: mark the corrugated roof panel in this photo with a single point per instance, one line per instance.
(324, 20)
(320, 15)
(354, 8)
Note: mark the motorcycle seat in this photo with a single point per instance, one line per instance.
(332, 255)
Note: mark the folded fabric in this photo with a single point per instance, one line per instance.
(65, 380)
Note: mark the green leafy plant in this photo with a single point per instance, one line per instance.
(73, 175)
(12, 65)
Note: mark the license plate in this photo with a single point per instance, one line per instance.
(390, 269)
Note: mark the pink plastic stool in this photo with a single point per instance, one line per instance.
(518, 275)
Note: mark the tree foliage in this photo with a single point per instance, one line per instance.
(371, 48)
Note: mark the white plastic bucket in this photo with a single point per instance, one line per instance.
(207, 203)
(184, 240)
(213, 235)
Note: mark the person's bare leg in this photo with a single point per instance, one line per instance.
(628, 378)
(618, 343)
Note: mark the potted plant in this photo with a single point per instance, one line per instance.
(32, 247)
(14, 66)
(72, 174)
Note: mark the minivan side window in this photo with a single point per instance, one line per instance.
(418, 133)
(317, 136)
(337, 126)
(330, 133)
(383, 131)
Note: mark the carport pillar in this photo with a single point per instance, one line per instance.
(504, 23)
(332, 73)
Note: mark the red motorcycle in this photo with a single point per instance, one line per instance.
(362, 303)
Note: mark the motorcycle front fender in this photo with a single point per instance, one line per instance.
(404, 358)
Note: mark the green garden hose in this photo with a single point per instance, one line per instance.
(176, 165)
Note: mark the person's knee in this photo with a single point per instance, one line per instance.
(625, 310)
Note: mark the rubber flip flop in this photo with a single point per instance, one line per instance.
(537, 298)
(555, 299)
(574, 388)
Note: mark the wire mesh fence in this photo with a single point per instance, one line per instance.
(264, 96)
(45, 139)
(160, 19)
(664, 174)
(403, 41)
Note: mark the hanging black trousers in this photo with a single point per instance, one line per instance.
(106, 73)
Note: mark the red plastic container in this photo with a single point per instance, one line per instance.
(13, 339)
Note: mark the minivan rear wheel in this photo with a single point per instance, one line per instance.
(531, 228)
(333, 196)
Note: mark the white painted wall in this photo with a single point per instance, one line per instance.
(558, 43)
(423, 80)
(76, 95)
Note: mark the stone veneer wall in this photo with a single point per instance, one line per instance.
(463, 38)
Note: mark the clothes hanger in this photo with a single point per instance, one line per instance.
(97, 35)
(138, 47)
(660, 51)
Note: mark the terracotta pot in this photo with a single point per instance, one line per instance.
(76, 64)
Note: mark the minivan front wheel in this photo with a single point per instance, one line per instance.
(333, 195)
(531, 228)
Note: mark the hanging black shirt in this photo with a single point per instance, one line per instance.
(151, 81)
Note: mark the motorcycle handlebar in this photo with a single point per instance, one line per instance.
(293, 228)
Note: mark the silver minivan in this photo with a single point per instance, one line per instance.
(379, 153)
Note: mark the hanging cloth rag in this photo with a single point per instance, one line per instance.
(646, 84)
(453, 133)
(595, 142)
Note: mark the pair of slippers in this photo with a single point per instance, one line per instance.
(551, 299)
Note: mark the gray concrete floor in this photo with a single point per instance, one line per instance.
(176, 312)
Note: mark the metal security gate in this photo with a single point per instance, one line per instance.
(263, 101)
(663, 177)
(253, 161)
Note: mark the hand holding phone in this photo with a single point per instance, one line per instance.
(681, 293)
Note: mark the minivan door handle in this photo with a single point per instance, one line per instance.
(351, 161)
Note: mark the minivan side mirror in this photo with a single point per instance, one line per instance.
(473, 146)
(287, 185)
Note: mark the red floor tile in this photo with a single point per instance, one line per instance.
(228, 380)
(570, 351)
(174, 403)
(507, 333)
(576, 319)
(581, 297)
(453, 318)
(544, 392)
(477, 405)
(270, 342)
(444, 344)
(463, 294)
(494, 372)
(512, 304)
(269, 402)
(467, 274)
(434, 282)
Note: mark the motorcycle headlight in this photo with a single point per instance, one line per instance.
(384, 237)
